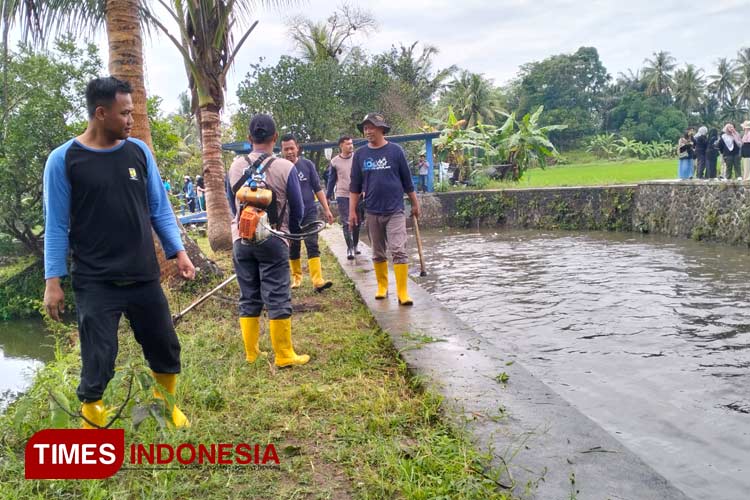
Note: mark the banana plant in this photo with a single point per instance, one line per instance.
(525, 143)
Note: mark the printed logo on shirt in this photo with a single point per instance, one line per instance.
(133, 174)
(381, 164)
(301, 176)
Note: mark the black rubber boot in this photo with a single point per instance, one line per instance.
(349, 248)
(355, 240)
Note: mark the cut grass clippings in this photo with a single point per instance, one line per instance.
(352, 423)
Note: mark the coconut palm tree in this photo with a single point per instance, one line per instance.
(474, 99)
(205, 42)
(320, 41)
(123, 24)
(742, 92)
(688, 88)
(733, 111)
(414, 70)
(722, 83)
(657, 73)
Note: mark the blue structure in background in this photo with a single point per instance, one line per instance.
(243, 148)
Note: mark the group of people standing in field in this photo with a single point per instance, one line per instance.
(103, 196)
(698, 153)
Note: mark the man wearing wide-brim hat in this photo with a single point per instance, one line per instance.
(745, 150)
(380, 170)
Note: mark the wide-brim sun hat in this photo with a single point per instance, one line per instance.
(376, 119)
(745, 124)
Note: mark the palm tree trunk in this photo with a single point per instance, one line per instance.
(126, 59)
(217, 207)
(126, 63)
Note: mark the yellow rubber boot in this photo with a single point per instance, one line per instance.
(94, 412)
(296, 272)
(402, 279)
(316, 275)
(250, 327)
(169, 382)
(281, 340)
(381, 274)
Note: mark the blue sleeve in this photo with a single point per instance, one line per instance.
(355, 186)
(404, 172)
(294, 201)
(56, 189)
(314, 178)
(230, 196)
(332, 179)
(162, 217)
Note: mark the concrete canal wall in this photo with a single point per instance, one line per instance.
(710, 210)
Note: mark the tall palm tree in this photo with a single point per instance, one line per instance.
(733, 111)
(319, 41)
(474, 98)
(657, 73)
(742, 92)
(722, 83)
(414, 70)
(123, 24)
(688, 88)
(205, 43)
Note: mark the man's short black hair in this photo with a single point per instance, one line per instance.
(344, 138)
(103, 91)
(289, 137)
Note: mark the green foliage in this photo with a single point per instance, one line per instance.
(45, 98)
(176, 151)
(647, 118)
(22, 289)
(481, 209)
(607, 146)
(314, 100)
(570, 87)
(526, 143)
(473, 98)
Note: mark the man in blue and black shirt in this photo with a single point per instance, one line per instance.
(309, 183)
(102, 196)
(380, 170)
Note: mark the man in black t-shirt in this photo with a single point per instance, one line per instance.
(102, 196)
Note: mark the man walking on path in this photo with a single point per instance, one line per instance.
(338, 182)
(102, 196)
(309, 183)
(381, 170)
(261, 261)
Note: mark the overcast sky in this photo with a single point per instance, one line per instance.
(494, 37)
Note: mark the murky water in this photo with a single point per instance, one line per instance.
(648, 336)
(24, 347)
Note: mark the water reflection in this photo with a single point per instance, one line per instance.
(648, 336)
(24, 347)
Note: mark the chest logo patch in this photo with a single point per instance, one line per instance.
(133, 174)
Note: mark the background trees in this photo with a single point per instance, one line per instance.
(45, 108)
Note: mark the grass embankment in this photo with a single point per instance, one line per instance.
(352, 423)
(595, 173)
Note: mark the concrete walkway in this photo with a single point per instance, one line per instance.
(542, 439)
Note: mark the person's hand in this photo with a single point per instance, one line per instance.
(329, 217)
(415, 211)
(54, 299)
(184, 264)
(353, 219)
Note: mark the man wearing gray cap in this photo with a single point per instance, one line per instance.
(380, 170)
(261, 259)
